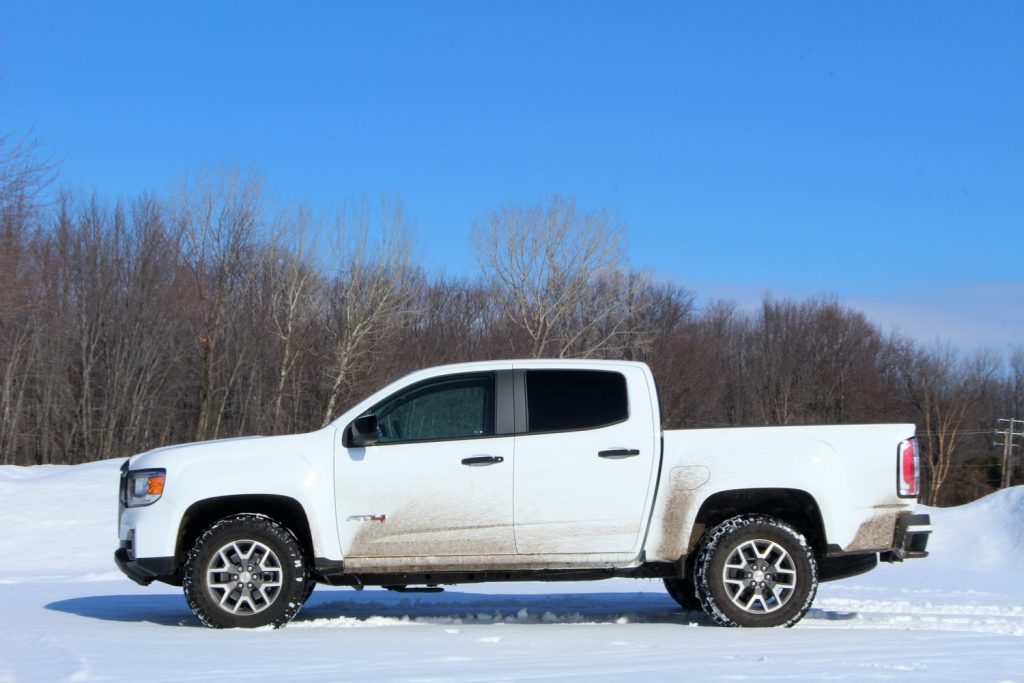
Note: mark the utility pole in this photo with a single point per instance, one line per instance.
(1014, 428)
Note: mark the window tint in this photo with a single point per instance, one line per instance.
(448, 408)
(580, 399)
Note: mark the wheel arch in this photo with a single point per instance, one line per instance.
(200, 515)
(796, 507)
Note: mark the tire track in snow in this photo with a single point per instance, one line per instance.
(597, 609)
(925, 615)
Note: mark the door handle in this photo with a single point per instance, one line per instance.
(483, 460)
(616, 453)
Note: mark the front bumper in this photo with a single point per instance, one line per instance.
(911, 541)
(145, 570)
(142, 570)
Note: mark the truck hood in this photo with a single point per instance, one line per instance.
(158, 456)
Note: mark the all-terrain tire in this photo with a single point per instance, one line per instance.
(245, 571)
(683, 591)
(755, 571)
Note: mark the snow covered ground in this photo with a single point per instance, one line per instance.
(66, 613)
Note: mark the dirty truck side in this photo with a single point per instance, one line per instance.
(521, 470)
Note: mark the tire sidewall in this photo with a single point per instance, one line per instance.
(253, 528)
(721, 543)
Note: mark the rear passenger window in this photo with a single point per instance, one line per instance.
(559, 400)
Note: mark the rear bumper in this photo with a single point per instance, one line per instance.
(145, 570)
(911, 541)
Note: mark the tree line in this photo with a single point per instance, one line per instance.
(128, 325)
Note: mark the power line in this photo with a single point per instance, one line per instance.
(1014, 428)
(959, 432)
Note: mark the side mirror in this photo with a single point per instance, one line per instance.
(364, 431)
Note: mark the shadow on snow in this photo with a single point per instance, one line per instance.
(448, 607)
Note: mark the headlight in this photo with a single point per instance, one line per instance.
(144, 487)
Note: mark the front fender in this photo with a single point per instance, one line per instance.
(297, 467)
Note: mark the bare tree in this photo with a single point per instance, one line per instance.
(777, 361)
(1016, 383)
(944, 388)
(455, 321)
(559, 275)
(141, 348)
(806, 361)
(19, 311)
(24, 176)
(371, 294)
(675, 345)
(294, 284)
(218, 214)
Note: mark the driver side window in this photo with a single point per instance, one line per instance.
(458, 407)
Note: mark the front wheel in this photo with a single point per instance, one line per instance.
(245, 571)
(755, 571)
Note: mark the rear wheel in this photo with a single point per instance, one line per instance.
(246, 571)
(755, 571)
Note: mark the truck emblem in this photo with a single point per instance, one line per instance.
(367, 518)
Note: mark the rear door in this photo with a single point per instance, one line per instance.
(584, 465)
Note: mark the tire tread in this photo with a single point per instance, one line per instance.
(248, 524)
(710, 546)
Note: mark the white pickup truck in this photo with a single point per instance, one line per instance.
(521, 470)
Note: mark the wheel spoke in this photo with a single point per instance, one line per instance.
(269, 561)
(225, 561)
(262, 591)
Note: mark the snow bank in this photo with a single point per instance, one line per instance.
(987, 535)
(59, 521)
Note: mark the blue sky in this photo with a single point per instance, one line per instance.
(874, 152)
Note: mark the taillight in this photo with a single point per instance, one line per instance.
(909, 473)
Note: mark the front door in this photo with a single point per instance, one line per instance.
(439, 481)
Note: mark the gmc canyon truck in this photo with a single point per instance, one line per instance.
(550, 470)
